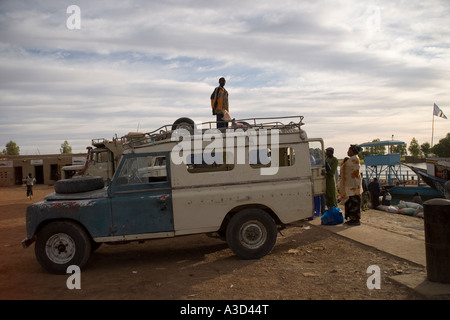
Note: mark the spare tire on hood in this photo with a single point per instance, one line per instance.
(76, 185)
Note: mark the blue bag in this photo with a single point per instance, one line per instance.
(332, 216)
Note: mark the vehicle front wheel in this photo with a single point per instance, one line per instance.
(251, 234)
(61, 244)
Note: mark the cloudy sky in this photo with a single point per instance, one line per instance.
(356, 70)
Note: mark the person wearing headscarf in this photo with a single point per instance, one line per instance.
(331, 168)
(350, 185)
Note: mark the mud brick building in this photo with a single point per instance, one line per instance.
(45, 168)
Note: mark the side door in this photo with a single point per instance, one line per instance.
(317, 159)
(141, 197)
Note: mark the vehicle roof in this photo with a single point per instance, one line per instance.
(163, 135)
(381, 143)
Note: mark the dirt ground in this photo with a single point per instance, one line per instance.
(307, 262)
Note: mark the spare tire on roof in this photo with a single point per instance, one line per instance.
(184, 123)
(76, 185)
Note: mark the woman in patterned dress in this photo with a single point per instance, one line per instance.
(350, 185)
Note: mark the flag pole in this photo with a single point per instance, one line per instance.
(432, 129)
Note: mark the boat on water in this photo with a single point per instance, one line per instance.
(436, 174)
(388, 166)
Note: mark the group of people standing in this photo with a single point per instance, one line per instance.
(349, 184)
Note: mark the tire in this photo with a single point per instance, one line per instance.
(251, 234)
(76, 185)
(95, 245)
(61, 244)
(184, 123)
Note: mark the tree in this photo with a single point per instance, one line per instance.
(11, 149)
(375, 150)
(414, 148)
(378, 150)
(399, 148)
(425, 148)
(442, 149)
(65, 148)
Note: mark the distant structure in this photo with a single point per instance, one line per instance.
(389, 166)
(45, 168)
(386, 163)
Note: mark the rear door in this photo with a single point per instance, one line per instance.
(317, 159)
(141, 197)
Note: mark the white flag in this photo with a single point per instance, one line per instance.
(438, 112)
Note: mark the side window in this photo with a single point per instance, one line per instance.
(141, 170)
(197, 163)
(316, 153)
(102, 156)
(262, 158)
(99, 156)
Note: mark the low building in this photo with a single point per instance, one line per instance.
(45, 168)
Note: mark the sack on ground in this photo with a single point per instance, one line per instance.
(332, 216)
(391, 209)
(407, 211)
(406, 204)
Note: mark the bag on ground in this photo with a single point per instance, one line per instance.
(332, 216)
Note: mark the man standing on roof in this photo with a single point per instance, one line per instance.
(219, 103)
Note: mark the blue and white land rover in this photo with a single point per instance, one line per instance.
(242, 183)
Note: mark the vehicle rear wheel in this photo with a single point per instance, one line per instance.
(251, 234)
(61, 244)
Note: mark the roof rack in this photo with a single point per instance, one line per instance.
(99, 143)
(164, 133)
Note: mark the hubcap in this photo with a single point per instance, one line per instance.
(60, 248)
(253, 234)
